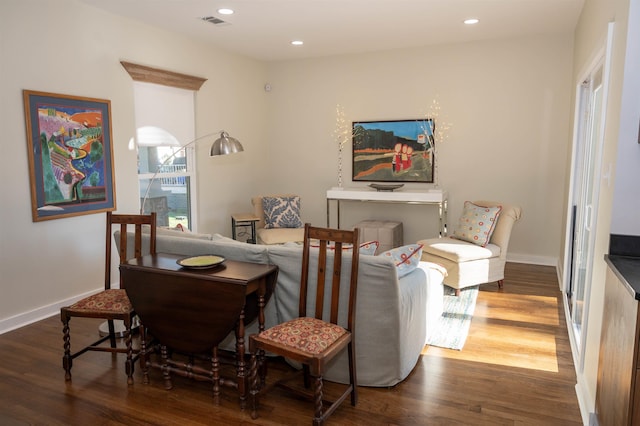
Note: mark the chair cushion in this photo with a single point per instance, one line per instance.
(306, 334)
(406, 258)
(281, 212)
(110, 301)
(279, 235)
(476, 223)
(459, 251)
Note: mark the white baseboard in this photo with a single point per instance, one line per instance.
(29, 317)
(531, 259)
(586, 409)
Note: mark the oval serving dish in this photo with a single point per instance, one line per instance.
(201, 262)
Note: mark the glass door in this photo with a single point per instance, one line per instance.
(585, 196)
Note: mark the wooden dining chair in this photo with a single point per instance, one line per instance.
(111, 303)
(315, 337)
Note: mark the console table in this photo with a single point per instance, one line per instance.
(191, 311)
(428, 197)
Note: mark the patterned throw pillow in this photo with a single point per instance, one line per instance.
(406, 258)
(281, 212)
(477, 223)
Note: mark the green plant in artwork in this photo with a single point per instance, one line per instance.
(96, 151)
(94, 179)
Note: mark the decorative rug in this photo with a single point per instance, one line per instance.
(453, 326)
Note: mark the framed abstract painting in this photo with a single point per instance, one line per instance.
(393, 151)
(70, 155)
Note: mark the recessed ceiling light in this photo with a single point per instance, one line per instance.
(225, 11)
(471, 21)
(297, 42)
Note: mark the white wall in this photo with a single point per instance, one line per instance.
(509, 105)
(626, 202)
(508, 101)
(66, 47)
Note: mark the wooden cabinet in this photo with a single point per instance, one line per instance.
(617, 396)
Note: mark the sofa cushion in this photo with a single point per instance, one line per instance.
(220, 237)
(406, 258)
(369, 248)
(281, 212)
(477, 223)
(178, 231)
(457, 250)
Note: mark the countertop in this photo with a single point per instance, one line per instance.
(627, 269)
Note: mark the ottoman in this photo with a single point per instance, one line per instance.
(388, 233)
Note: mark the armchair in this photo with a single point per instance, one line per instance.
(469, 263)
(291, 231)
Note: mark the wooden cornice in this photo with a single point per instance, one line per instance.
(159, 76)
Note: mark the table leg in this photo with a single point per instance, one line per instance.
(262, 365)
(442, 209)
(241, 379)
(215, 369)
(253, 232)
(233, 228)
(328, 214)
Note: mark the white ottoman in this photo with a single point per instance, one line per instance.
(388, 233)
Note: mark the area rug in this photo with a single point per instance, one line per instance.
(453, 326)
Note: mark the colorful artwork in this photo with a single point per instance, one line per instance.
(70, 155)
(393, 151)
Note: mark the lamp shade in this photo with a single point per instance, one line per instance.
(225, 144)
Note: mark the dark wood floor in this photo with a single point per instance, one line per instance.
(515, 369)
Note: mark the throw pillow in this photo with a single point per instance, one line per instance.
(406, 258)
(369, 248)
(281, 212)
(477, 223)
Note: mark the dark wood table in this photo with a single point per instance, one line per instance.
(191, 311)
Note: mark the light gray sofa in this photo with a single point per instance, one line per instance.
(393, 315)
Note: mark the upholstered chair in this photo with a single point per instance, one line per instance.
(315, 338)
(468, 259)
(110, 304)
(280, 220)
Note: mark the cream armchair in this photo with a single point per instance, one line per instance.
(274, 235)
(469, 264)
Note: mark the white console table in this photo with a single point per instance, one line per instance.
(434, 197)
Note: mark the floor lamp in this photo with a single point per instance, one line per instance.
(224, 145)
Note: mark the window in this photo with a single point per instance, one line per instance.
(164, 119)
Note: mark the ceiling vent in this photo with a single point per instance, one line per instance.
(214, 20)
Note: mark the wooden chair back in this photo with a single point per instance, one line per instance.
(128, 222)
(336, 244)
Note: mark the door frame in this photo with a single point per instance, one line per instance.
(600, 58)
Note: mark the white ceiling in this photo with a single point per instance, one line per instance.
(263, 29)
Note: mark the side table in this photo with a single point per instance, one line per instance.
(239, 220)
